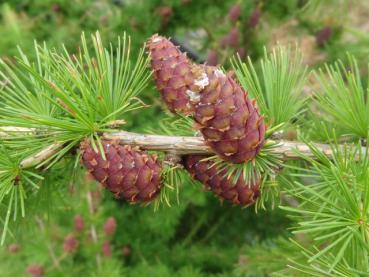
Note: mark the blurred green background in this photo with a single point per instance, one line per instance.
(199, 236)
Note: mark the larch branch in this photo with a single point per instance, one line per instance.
(178, 145)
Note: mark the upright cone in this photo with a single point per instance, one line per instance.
(228, 119)
(128, 173)
(214, 180)
(175, 76)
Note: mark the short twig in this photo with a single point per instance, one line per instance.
(93, 228)
(56, 261)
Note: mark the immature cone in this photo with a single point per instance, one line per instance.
(241, 52)
(176, 78)
(234, 12)
(106, 249)
(79, 223)
(323, 35)
(35, 270)
(128, 173)
(13, 248)
(233, 37)
(126, 250)
(110, 226)
(165, 12)
(215, 180)
(70, 243)
(212, 58)
(254, 18)
(228, 120)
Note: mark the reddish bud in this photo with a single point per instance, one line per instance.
(254, 18)
(212, 58)
(106, 248)
(323, 35)
(35, 270)
(165, 12)
(242, 52)
(70, 243)
(127, 251)
(110, 226)
(234, 13)
(79, 223)
(56, 8)
(13, 248)
(104, 20)
(224, 42)
(233, 37)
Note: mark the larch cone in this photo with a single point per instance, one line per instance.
(228, 119)
(206, 172)
(128, 173)
(175, 75)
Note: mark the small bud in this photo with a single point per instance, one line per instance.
(212, 58)
(104, 20)
(223, 42)
(242, 52)
(70, 243)
(106, 249)
(165, 12)
(127, 250)
(291, 134)
(110, 226)
(56, 8)
(254, 18)
(233, 37)
(35, 270)
(323, 36)
(79, 223)
(13, 248)
(234, 13)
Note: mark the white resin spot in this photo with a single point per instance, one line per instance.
(157, 39)
(194, 97)
(203, 81)
(219, 73)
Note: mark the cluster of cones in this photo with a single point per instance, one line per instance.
(227, 118)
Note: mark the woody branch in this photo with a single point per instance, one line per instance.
(289, 150)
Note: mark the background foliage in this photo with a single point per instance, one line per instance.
(199, 236)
